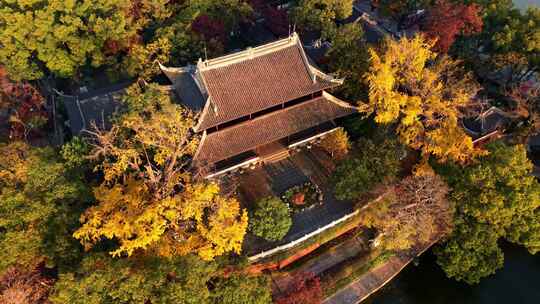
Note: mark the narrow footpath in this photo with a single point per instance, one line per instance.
(375, 279)
(316, 266)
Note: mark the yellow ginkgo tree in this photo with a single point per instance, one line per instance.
(424, 95)
(149, 199)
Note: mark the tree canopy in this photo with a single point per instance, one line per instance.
(25, 106)
(321, 15)
(348, 58)
(495, 198)
(149, 198)
(446, 20)
(509, 38)
(336, 143)
(39, 205)
(417, 211)
(369, 164)
(100, 279)
(422, 94)
(58, 36)
(270, 219)
(239, 289)
(20, 286)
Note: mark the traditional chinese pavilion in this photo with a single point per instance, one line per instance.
(255, 105)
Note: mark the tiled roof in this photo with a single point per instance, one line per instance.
(248, 135)
(94, 107)
(257, 79)
(489, 121)
(186, 87)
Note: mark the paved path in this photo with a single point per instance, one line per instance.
(369, 283)
(333, 256)
(372, 281)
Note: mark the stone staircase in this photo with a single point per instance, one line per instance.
(281, 155)
(273, 152)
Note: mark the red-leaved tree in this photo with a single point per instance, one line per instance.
(306, 289)
(210, 28)
(24, 105)
(446, 20)
(276, 20)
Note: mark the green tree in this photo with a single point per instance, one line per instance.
(239, 289)
(348, 57)
(186, 46)
(509, 38)
(175, 41)
(102, 279)
(75, 152)
(520, 33)
(270, 219)
(149, 198)
(58, 36)
(321, 15)
(471, 253)
(495, 198)
(397, 9)
(39, 207)
(372, 163)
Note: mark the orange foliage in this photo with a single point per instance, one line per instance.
(447, 20)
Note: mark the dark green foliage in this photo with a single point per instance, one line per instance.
(239, 289)
(349, 59)
(102, 279)
(41, 201)
(357, 127)
(471, 253)
(371, 163)
(270, 219)
(495, 198)
(321, 15)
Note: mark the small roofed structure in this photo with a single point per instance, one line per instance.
(94, 107)
(257, 103)
(487, 125)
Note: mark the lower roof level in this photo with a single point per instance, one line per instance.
(249, 135)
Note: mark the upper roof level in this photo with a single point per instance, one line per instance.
(233, 86)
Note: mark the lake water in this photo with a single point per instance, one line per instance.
(518, 282)
(523, 4)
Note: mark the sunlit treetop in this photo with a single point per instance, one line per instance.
(423, 94)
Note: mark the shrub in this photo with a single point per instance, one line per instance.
(241, 289)
(336, 143)
(306, 289)
(75, 151)
(303, 196)
(270, 219)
